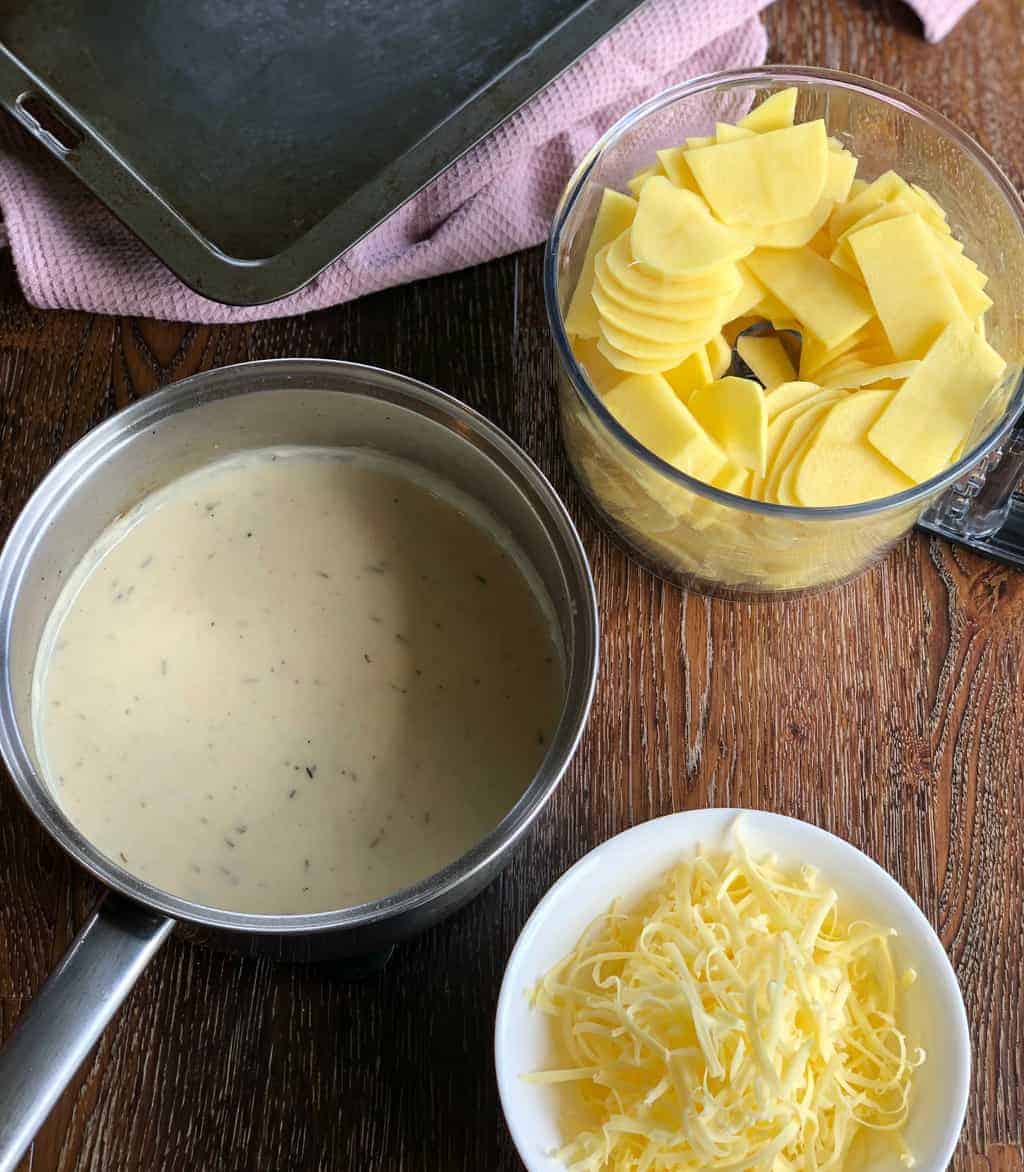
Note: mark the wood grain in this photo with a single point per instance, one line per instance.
(888, 711)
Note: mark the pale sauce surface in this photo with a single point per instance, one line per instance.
(295, 681)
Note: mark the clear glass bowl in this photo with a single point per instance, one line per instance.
(702, 537)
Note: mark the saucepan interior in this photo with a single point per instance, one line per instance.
(290, 402)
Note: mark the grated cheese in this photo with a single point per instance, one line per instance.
(732, 1021)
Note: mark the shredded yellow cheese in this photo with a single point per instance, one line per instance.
(732, 1020)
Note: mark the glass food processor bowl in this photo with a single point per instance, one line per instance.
(711, 540)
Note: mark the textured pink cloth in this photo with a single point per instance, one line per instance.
(70, 252)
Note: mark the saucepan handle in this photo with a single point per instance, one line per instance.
(67, 1016)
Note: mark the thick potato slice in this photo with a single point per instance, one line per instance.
(908, 283)
(774, 113)
(840, 467)
(732, 411)
(767, 358)
(652, 413)
(614, 216)
(766, 178)
(931, 415)
(674, 234)
(826, 301)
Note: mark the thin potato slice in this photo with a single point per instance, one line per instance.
(931, 415)
(840, 467)
(908, 284)
(621, 265)
(733, 412)
(774, 113)
(766, 178)
(652, 413)
(825, 300)
(674, 234)
(672, 353)
(693, 372)
(767, 358)
(614, 217)
(652, 328)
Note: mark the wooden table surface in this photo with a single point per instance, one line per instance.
(888, 711)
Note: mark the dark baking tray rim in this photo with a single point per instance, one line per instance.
(230, 280)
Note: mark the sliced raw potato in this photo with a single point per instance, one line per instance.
(787, 395)
(602, 375)
(640, 178)
(767, 358)
(614, 217)
(750, 294)
(825, 300)
(652, 413)
(650, 327)
(886, 187)
(769, 177)
(673, 232)
(908, 283)
(774, 113)
(733, 479)
(780, 426)
(719, 354)
(793, 233)
(622, 267)
(766, 221)
(726, 132)
(859, 360)
(693, 372)
(965, 276)
(733, 412)
(821, 243)
(840, 467)
(799, 432)
(867, 375)
(950, 249)
(770, 308)
(640, 346)
(931, 415)
(672, 162)
(814, 356)
(630, 363)
(608, 288)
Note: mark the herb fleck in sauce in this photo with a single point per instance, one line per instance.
(422, 668)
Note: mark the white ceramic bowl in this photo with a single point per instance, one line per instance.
(627, 865)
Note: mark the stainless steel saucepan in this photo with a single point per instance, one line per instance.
(253, 405)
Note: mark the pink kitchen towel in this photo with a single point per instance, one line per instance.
(71, 253)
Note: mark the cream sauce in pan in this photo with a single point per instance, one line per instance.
(294, 681)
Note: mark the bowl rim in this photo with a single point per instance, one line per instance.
(759, 75)
(612, 850)
(296, 375)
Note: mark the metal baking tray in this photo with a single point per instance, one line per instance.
(251, 142)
